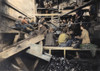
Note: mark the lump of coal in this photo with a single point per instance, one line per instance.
(61, 64)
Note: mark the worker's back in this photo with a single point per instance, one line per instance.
(62, 38)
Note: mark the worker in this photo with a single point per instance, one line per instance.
(50, 38)
(85, 38)
(24, 21)
(84, 35)
(18, 23)
(32, 21)
(70, 22)
(79, 14)
(26, 24)
(64, 21)
(42, 29)
(46, 25)
(63, 37)
(42, 20)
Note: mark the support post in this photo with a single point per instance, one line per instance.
(35, 64)
(16, 38)
(65, 54)
(50, 51)
(35, 10)
(21, 64)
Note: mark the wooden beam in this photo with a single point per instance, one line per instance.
(16, 38)
(50, 51)
(65, 48)
(20, 46)
(15, 8)
(16, 67)
(41, 43)
(73, 13)
(64, 53)
(35, 64)
(21, 64)
(13, 31)
(47, 14)
(85, 5)
(59, 48)
(37, 51)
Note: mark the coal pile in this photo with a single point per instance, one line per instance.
(61, 64)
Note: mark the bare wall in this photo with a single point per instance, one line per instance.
(25, 6)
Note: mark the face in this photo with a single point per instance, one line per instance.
(44, 23)
(51, 29)
(40, 25)
(76, 7)
(71, 20)
(64, 21)
(81, 28)
(27, 19)
(20, 18)
(42, 19)
(76, 15)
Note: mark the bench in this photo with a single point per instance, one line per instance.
(64, 49)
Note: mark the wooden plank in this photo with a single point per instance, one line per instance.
(16, 67)
(68, 10)
(15, 8)
(50, 51)
(58, 48)
(65, 48)
(85, 5)
(73, 13)
(46, 8)
(64, 53)
(41, 43)
(47, 14)
(37, 51)
(16, 38)
(35, 64)
(20, 46)
(21, 64)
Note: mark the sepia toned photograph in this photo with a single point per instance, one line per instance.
(49, 35)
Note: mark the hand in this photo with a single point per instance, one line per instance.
(77, 37)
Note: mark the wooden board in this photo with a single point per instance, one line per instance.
(37, 50)
(47, 14)
(20, 46)
(35, 65)
(74, 10)
(65, 48)
(21, 64)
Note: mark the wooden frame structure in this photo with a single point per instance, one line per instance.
(64, 49)
(20, 46)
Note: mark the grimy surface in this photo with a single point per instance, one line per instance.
(20, 46)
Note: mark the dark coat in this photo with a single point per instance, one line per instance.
(50, 41)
